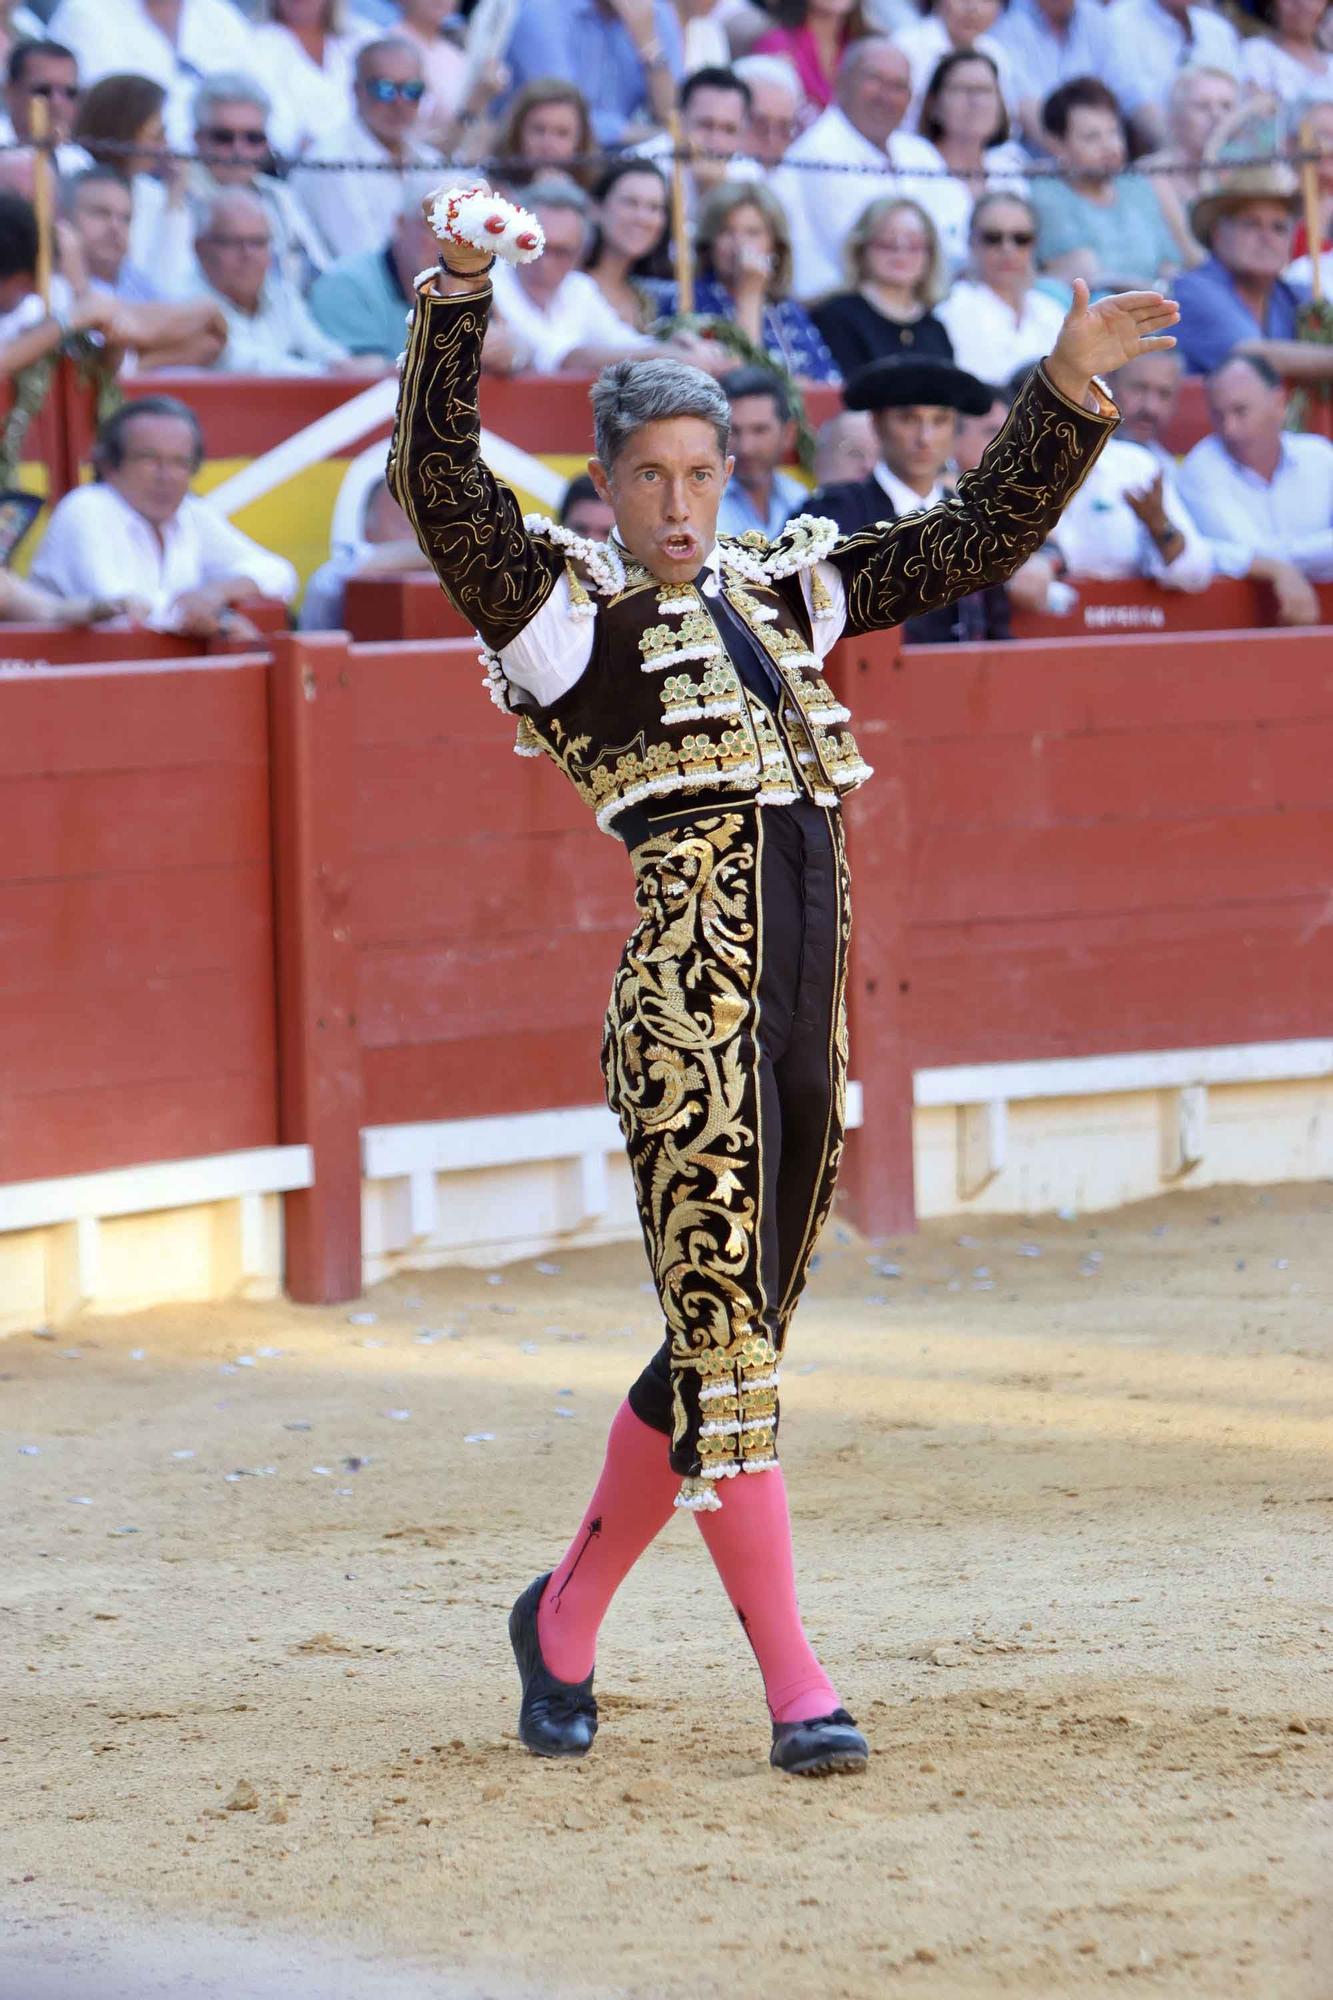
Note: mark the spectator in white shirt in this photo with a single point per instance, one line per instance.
(861, 131)
(1050, 42)
(1146, 390)
(1291, 62)
(305, 52)
(554, 309)
(269, 328)
(949, 26)
(95, 239)
(776, 98)
(45, 70)
(386, 545)
(1201, 104)
(231, 140)
(1151, 40)
(140, 532)
(996, 318)
(355, 209)
(714, 118)
(175, 42)
(963, 115)
(30, 329)
(120, 123)
(1262, 494)
(1126, 519)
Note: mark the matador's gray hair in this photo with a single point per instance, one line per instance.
(630, 393)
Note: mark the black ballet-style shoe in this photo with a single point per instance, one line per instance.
(816, 1748)
(555, 1718)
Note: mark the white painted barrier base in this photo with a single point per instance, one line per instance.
(142, 1236)
(1007, 1138)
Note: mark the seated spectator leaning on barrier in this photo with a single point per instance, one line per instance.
(1127, 519)
(49, 71)
(231, 140)
(269, 327)
(1263, 495)
(362, 301)
(759, 495)
(386, 546)
(626, 54)
(140, 532)
(915, 407)
(94, 243)
(862, 133)
(1238, 299)
(354, 209)
(995, 317)
(1094, 220)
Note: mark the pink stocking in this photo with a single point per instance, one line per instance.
(632, 1503)
(749, 1539)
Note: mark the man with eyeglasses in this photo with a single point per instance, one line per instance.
(775, 106)
(49, 71)
(139, 532)
(355, 209)
(231, 142)
(269, 327)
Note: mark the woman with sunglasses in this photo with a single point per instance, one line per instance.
(996, 318)
(305, 53)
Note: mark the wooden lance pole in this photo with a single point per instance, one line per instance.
(42, 194)
(1310, 196)
(680, 228)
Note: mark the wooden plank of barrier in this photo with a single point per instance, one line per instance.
(320, 1092)
(877, 1183)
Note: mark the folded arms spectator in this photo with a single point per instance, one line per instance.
(95, 239)
(140, 532)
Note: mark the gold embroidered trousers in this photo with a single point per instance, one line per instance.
(725, 1060)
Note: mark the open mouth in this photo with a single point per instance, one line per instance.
(679, 548)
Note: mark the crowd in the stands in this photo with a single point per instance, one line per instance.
(891, 199)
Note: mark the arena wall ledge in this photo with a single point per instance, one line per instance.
(304, 972)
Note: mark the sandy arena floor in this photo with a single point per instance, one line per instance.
(1063, 1500)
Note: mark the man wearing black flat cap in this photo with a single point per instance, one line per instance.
(915, 402)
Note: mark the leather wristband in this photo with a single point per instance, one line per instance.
(485, 269)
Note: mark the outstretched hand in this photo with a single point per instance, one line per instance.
(1095, 339)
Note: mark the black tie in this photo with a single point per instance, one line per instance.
(747, 655)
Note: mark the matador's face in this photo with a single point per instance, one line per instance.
(665, 486)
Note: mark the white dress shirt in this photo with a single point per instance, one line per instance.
(97, 546)
(111, 37)
(280, 338)
(926, 42)
(578, 316)
(1149, 48)
(554, 647)
(988, 341)
(308, 97)
(905, 499)
(355, 211)
(1245, 515)
(1101, 537)
(822, 205)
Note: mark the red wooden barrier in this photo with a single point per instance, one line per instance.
(1136, 604)
(380, 608)
(92, 645)
(136, 991)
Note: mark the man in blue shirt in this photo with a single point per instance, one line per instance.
(1238, 294)
(626, 56)
(763, 438)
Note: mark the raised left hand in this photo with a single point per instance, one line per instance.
(1095, 339)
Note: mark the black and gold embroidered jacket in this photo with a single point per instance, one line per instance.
(684, 721)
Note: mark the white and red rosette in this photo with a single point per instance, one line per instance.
(486, 221)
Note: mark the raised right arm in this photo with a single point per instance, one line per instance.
(467, 523)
